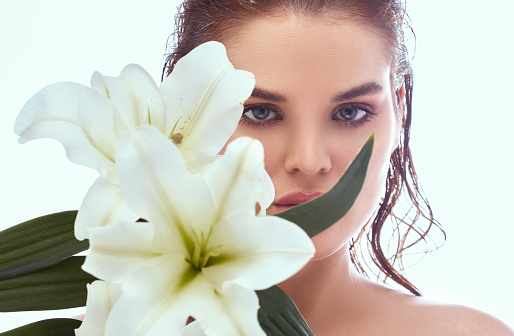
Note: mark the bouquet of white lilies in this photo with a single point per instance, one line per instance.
(175, 244)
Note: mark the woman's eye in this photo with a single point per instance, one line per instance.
(350, 113)
(260, 113)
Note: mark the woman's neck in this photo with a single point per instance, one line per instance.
(321, 284)
(331, 294)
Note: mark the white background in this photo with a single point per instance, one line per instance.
(461, 134)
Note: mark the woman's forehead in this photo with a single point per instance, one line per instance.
(284, 51)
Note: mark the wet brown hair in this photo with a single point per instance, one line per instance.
(199, 21)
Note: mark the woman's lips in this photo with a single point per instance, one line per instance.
(294, 198)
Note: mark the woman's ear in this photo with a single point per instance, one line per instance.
(400, 97)
(400, 105)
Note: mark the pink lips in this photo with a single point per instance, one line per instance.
(294, 198)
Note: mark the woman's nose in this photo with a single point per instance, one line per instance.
(306, 153)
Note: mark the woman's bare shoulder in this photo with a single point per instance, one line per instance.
(385, 312)
(436, 318)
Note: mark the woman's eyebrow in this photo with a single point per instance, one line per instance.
(361, 90)
(268, 95)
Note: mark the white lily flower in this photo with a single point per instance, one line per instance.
(197, 107)
(203, 251)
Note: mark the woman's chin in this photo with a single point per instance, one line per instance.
(332, 240)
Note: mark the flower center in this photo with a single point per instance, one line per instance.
(176, 137)
(201, 254)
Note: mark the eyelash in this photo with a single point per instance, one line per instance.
(247, 121)
(366, 118)
(357, 123)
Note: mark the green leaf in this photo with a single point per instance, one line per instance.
(320, 213)
(58, 287)
(38, 243)
(279, 315)
(53, 327)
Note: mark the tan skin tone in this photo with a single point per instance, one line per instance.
(304, 67)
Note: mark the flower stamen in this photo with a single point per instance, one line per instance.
(176, 137)
(201, 255)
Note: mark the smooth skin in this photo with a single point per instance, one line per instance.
(323, 86)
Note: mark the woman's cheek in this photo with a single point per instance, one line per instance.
(364, 209)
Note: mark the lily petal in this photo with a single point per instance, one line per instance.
(155, 184)
(117, 91)
(84, 122)
(208, 111)
(153, 306)
(155, 303)
(136, 96)
(100, 299)
(244, 173)
(258, 259)
(267, 194)
(101, 206)
(193, 329)
(118, 250)
(234, 313)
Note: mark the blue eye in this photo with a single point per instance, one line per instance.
(350, 113)
(260, 113)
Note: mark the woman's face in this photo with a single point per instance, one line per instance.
(322, 88)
